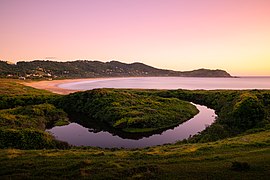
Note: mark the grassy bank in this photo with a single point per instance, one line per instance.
(25, 113)
(242, 157)
(14, 87)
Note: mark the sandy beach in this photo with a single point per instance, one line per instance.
(53, 85)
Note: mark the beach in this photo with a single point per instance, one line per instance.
(53, 85)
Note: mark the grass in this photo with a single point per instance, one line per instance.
(32, 116)
(14, 87)
(180, 161)
(139, 130)
(25, 114)
(23, 127)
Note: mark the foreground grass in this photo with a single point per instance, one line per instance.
(15, 87)
(179, 161)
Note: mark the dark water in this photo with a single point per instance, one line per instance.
(78, 135)
(172, 83)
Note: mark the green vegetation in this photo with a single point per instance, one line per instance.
(88, 69)
(237, 111)
(223, 159)
(9, 87)
(33, 116)
(23, 127)
(128, 111)
(13, 94)
(29, 138)
(236, 146)
(25, 114)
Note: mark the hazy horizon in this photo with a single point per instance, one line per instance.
(232, 35)
(234, 75)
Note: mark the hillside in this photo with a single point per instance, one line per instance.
(40, 69)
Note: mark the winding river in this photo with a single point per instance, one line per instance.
(77, 135)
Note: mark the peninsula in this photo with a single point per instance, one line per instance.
(41, 69)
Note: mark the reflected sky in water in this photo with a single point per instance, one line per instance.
(172, 83)
(78, 135)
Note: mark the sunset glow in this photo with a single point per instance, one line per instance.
(233, 35)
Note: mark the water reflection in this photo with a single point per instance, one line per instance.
(96, 135)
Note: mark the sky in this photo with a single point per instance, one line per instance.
(233, 35)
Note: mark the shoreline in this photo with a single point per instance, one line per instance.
(53, 85)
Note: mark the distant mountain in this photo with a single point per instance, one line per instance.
(39, 69)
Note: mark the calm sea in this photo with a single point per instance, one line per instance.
(172, 83)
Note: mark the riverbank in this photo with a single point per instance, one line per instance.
(242, 157)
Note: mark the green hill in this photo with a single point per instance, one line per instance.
(40, 69)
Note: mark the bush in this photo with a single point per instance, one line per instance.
(247, 112)
(33, 116)
(28, 139)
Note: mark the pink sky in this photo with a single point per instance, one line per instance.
(174, 34)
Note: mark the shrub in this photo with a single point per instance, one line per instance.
(247, 112)
(28, 139)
